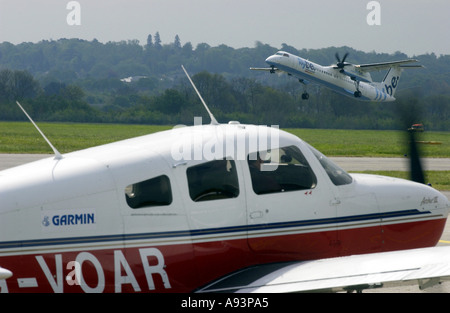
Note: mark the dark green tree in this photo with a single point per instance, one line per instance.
(157, 41)
(177, 42)
(149, 41)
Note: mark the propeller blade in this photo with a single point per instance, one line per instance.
(345, 56)
(414, 157)
(337, 57)
(341, 63)
(409, 112)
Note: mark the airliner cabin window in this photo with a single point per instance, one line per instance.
(148, 193)
(280, 170)
(213, 180)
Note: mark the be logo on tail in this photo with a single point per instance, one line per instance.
(391, 88)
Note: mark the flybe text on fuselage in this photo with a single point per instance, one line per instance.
(307, 66)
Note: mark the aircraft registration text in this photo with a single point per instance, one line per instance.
(86, 273)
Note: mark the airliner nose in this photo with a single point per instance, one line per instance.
(271, 60)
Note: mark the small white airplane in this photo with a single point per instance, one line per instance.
(218, 207)
(345, 78)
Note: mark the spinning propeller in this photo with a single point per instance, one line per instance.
(341, 63)
(414, 156)
(410, 112)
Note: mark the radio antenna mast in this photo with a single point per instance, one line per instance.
(58, 155)
(213, 119)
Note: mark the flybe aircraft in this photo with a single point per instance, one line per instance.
(345, 78)
(218, 207)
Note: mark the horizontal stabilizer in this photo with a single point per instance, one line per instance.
(411, 66)
(385, 65)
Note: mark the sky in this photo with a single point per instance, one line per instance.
(413, 27)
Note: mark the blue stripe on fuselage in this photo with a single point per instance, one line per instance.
(209, 231)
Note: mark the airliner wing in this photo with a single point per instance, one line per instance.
(385, 65)
(277, 70)
(267, 69)
(425, 267)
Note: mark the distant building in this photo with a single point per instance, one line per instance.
(416, 127)
(132, 79)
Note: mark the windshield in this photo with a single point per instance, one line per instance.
(337, 175)
(282, 54)
(280, 170)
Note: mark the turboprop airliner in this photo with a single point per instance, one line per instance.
(213, 207)
(343, 77)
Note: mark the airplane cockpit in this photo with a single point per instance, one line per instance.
(283, 54)
(280, 170)
(337, 175)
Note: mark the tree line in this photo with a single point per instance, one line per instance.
(82, 81)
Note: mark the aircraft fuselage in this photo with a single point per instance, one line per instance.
(347, 84)
(172, 211)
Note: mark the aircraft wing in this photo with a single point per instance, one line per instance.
(4, 273)
(266, 69)
(425, 267)
(385, 65)
(277, 70)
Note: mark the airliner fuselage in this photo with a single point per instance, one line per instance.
(345, 78)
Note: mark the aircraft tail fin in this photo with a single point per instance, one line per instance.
(390, 82)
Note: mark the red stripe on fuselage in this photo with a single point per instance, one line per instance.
(184, 267)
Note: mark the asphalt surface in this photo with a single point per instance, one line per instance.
(347, 163)
(11, 160)
(389, 164)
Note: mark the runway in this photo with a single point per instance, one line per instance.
(389, 164)
(12, 160)
(347, 163)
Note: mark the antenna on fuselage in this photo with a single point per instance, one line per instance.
(58, 156)
(213, 119)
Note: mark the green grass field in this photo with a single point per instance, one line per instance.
(22, 137)
(439, 180)
(373, 143)
(17, 137)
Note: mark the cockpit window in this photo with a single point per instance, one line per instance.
(152, 192)
(214, 180)
(337, 175)
(282, 54)
(280, 170)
